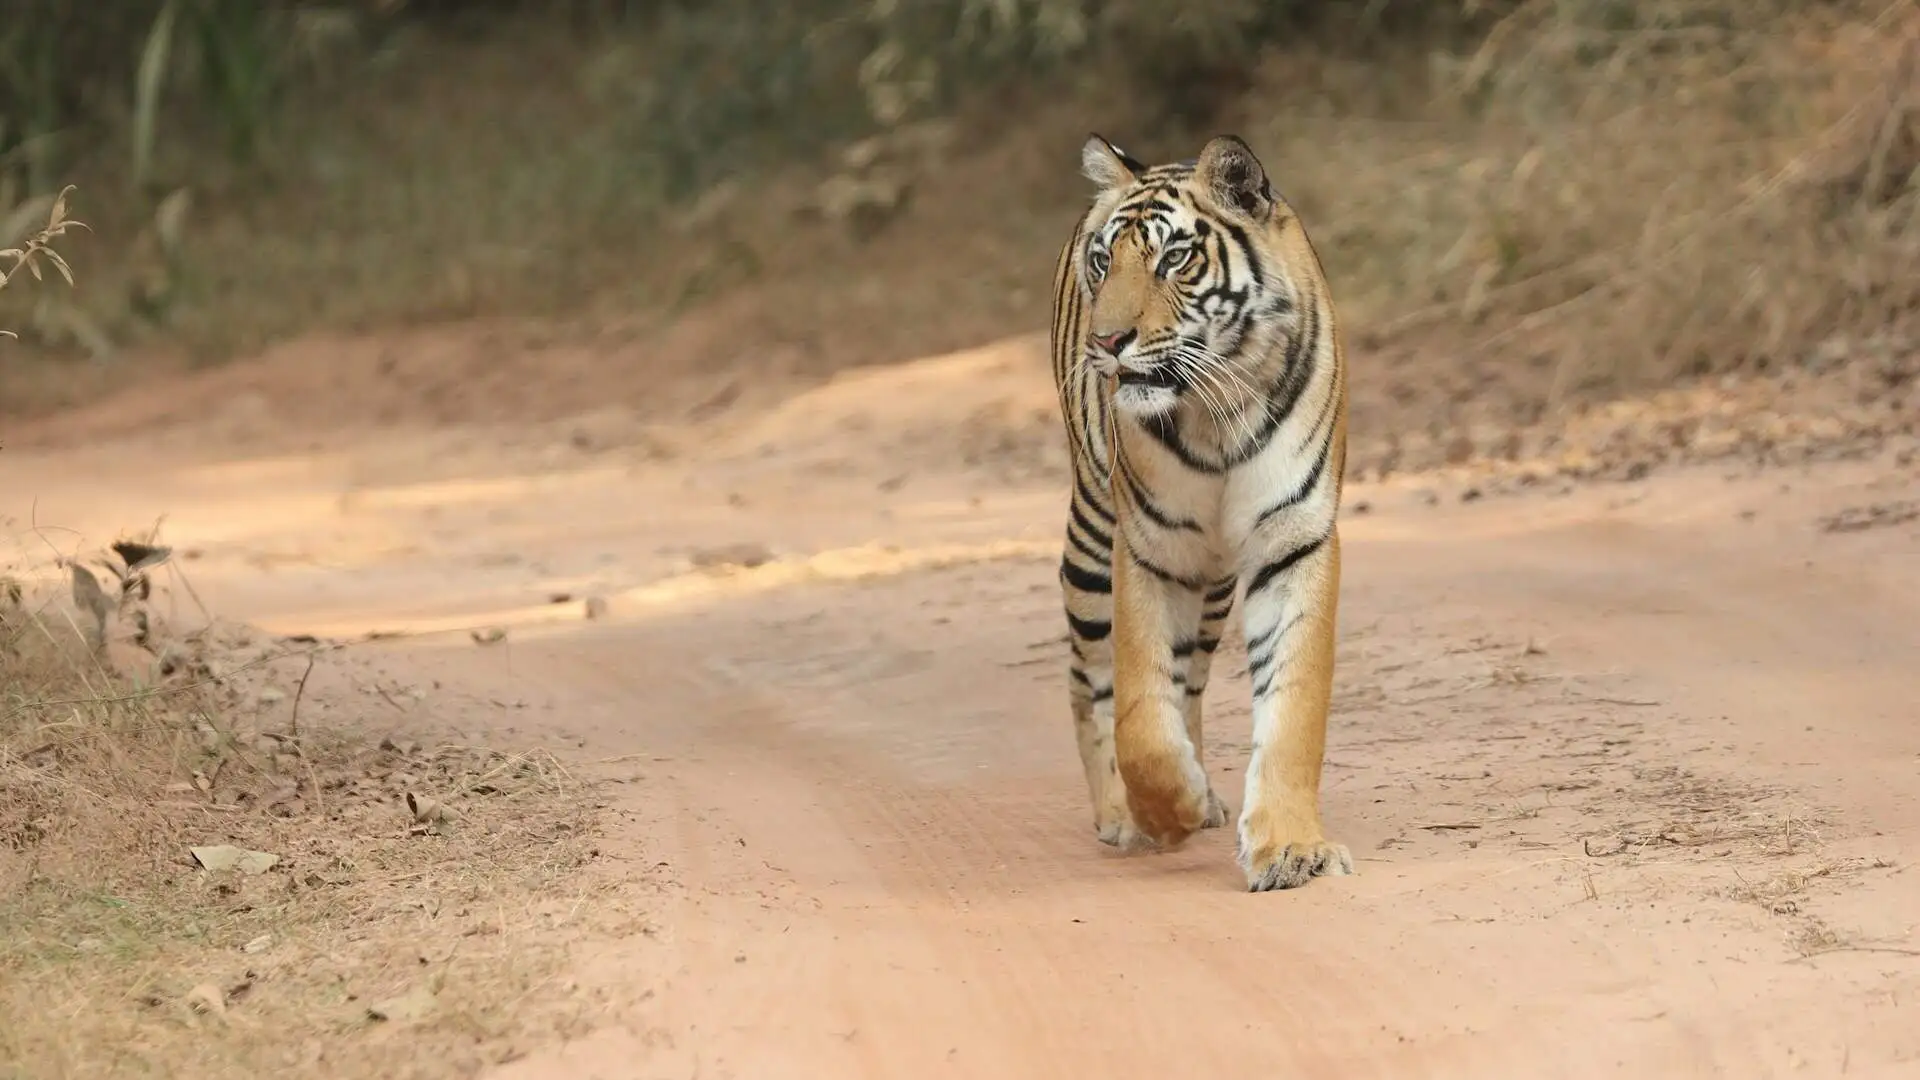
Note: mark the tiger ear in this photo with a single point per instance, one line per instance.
(1108, 165)
(1229, 172)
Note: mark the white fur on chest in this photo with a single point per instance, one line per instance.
(1282, 497)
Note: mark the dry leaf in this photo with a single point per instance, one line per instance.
(596, 607)
(207, 999)
(219, 857)
(139, 556)
(427, 810)
(92, 600)
(490, 635)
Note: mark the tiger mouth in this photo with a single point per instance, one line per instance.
(1160, 376)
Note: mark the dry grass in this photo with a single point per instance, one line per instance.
(413, 923)
(1706, 187)
(1594, 197)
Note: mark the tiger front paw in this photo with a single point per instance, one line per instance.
(1288, 851)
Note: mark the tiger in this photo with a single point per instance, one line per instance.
(1202, 383)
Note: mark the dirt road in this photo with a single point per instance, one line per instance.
(1631, 772)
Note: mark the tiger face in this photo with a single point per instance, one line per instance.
(1180, 273)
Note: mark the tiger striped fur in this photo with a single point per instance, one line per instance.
(1203, 384)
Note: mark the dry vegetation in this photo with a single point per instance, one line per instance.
(1524, 204)
(195, 882)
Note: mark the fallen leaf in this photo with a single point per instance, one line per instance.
(207, 999)
(429, 811)
(259, 944)
(489, 636)
(596, 607)
(219, 857)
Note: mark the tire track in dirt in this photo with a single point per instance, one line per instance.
(1016, 913)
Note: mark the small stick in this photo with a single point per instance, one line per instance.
(298, 693)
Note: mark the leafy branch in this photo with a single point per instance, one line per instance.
(39, 247)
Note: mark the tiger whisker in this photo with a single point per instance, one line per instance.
(1218, 372)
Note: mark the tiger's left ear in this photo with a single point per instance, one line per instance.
(1229, 172)
(1108, 165)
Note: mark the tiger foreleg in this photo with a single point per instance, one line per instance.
(1093, 730)
(1086, 584)
(1213, 618)
(1154, 617)
(1289, 612)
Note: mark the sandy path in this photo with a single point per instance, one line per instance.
(1632, 774)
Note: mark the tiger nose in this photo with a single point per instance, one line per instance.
(1112, 343)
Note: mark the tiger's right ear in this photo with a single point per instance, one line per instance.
(1108, 165)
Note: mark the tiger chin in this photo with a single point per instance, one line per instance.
(1202, 382)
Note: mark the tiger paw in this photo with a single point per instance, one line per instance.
(1167, 816)
(1120, 833)
(1217, 812)
(1165, 788)
(1290, 865)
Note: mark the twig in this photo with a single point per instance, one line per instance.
(174, 569)
(298, 693)
(1856, 948)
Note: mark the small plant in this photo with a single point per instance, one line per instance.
(39, 247)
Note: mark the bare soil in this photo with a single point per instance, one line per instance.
(1626, 764)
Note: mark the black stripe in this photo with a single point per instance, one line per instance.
(1266, 574)
(1088, 549)
(1269, 643)
(1257, 667)
(1083, 579)
(1154, 514)
(1222, 591)
(1089, 629)
(1183, 649)
(1307, 483)
(1244, 244)
(1166, 431)
(1086, 502)
(1103, 693)
(1066, 294)
(1269, 648)
(1206, 644)
(1091, 415)
(1300, 365)
(1165, 575)
(1296, 376)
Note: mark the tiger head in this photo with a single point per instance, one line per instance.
(1189, 270)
